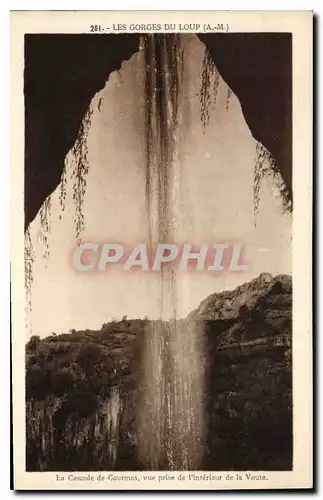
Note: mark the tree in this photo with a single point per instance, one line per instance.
(33, 343)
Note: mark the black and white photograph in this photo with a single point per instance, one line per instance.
(159, 208)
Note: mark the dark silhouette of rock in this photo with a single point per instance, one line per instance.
(63, 72)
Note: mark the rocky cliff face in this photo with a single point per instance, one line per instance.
(249, 375)
(83, 390)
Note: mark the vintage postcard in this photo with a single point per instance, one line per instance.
(161, 250)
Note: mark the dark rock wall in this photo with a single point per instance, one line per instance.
(249, 379)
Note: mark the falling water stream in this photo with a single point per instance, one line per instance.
(170, 403)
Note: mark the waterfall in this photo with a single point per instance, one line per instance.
(163, 155)
(170, 402)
